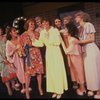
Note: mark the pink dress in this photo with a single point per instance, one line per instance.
(75, 60)
(16, 60)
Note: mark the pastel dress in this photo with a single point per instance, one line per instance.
(75, 60)
(91, 55)
(8, 71)
(56, 79)
(15, 59)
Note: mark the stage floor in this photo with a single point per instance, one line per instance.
(70, 94)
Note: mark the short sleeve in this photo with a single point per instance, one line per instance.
(89, 28)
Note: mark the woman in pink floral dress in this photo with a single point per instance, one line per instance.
(34, 64)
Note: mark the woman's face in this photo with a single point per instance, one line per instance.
(31, 25)
(45, 24)
(66, 21)
(38, 22)
(78, 19)
(14, 32)
(58, 23)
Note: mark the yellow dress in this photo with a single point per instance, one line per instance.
(56, 79)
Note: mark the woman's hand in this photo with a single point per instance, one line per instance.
(5, 61)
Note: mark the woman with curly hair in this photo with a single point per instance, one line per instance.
(91, 53)
(8, 72)
(33, 63)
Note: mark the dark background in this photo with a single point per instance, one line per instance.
(9, 11)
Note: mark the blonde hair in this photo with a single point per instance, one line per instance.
(26, 25)
(84, 16)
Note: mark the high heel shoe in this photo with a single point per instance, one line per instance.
(23, 91)
(17, 85)
(75, 86)
(15, 88)
(41, 92)
(97, 96)
(54, 95)
(90, 93)
(30, 89)
(80, 92)
(58, 96)
(27, 97)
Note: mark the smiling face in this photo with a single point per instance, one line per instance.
(38, 22)
(78, 19)
(58, 23)
(45, 24)
(31, 25)
(67, 19)
(13, 32)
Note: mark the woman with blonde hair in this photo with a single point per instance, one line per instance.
(91, 53)
(33, 63)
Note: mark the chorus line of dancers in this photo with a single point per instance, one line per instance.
(37, 52)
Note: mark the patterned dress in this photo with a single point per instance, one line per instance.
(8, 71)
(36, 63)
(16, 60)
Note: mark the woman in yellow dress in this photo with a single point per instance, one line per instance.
(56, 79)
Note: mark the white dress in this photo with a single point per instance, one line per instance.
(91, 57)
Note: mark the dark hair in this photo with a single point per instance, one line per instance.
(58, 19)
(26, 25)
(69, 18)
(47, 20)
(72, 30)
(8, 36)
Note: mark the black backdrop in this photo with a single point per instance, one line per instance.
(9, 11)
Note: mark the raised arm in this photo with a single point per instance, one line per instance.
(38, 43)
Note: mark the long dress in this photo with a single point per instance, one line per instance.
(75, 60)
(8, 71)
(91, 55)
(35, 57)
(56, 79)
(16, 60)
